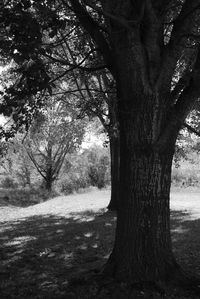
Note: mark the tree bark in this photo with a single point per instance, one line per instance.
(143, 249)
(48, 185)
(49, 180)
(115, 162)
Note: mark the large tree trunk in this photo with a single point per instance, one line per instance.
(115, 163)
(142, 249)
(143, 64)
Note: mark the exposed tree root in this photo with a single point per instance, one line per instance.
(149, 286)
(176, 284)
(137, 290)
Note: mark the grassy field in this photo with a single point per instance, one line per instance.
(46, 248)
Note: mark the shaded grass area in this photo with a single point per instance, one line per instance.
(41, 254)
(21, 197)
(186, 240)
(56, 257)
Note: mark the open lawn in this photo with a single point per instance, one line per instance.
(50, 250)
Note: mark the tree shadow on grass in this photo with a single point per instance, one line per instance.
(40, 254)
(185, 233)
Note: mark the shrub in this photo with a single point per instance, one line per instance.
(98, 172)
(67, 187)
(24, 176)
(88, 168)
(29, 196)
(93, 175)
(192, 180)
(8, 183)
(72, 183)
(178, 178)
(187, 177)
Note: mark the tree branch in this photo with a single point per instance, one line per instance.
(73, 67)
(174, 49)
(94, 31)
(189, 6)
(60, 161)
(185, 103)
(78, 65)
(35, 163)
(181, 84)
(191, 129)
(121, 21)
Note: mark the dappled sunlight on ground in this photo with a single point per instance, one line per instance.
(179, 229)
(19, 240)
(186, 240)
(44, 252)
(43, 247)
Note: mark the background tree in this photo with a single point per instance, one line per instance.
(98, 99)
(55, 133)
(94, 89)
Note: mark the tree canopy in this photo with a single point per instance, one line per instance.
(51, 46)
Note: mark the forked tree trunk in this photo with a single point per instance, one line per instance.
(115, 162)
(142, 249)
